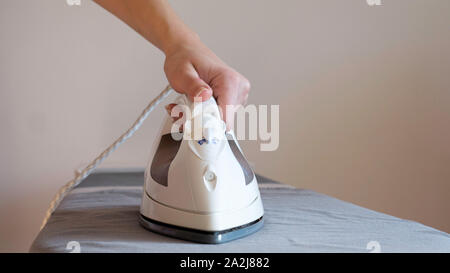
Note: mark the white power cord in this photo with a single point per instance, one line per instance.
(80, 176)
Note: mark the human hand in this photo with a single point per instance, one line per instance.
(194, 70)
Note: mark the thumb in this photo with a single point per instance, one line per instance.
(187, 81)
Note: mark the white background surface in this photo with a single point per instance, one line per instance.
(364, 96)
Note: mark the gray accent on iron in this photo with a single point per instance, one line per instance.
(248, 172)
(164, 155)
(201, 236)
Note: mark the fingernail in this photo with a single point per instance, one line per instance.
(203, 92)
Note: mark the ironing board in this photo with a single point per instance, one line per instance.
(101, 215)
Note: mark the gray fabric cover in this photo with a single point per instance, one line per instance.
(102, 215)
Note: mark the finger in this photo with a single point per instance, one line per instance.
(245, 100)
(227, 111)
(174, 117)
(169, 109)
(231, 92)
(227, 100)
(185, 80)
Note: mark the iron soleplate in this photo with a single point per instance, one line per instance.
(201, 236)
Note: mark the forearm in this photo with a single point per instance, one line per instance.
(154, 20)
(191, 67)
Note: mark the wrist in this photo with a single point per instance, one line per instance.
(179, 40)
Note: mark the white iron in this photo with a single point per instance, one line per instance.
(198, 185)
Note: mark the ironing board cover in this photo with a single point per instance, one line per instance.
(101, 215)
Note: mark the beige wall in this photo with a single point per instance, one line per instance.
(364, 96)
